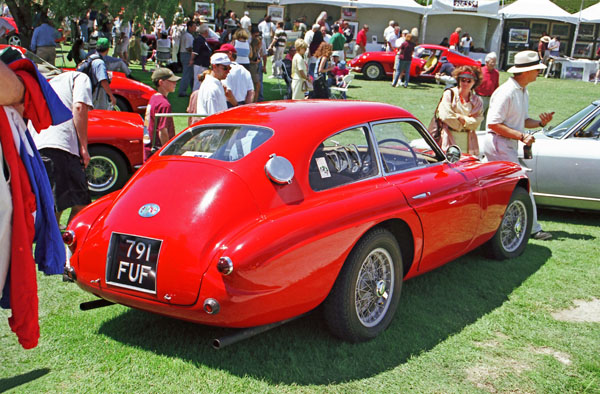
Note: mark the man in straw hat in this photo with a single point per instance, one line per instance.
(508, 117)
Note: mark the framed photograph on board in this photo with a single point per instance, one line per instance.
(539, 28)
(574, 73)
(510, 58)
(583, 49)
(206, 9)
(350, 13)
(276, 12)
(586, 31)
(518, 36)
(560, 29)
(354, 27)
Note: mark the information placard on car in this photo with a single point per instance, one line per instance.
(132, 262)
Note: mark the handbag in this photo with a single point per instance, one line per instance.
(436, 125)
(307, 86)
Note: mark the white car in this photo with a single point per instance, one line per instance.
(566, 162)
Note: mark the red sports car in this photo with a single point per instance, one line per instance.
(115, 147)
(376, 65)
(131, 95)
(12, 38)
(259, 214)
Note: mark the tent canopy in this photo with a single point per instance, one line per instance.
(404, 5)
(537, 9)
(484, 8)
(590, 14)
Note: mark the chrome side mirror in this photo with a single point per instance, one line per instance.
(453, 154)
(279, 170)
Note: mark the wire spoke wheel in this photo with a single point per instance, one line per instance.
(107, 170)
(365, 296)
(513, 226)
(374, 287)
(512, 235)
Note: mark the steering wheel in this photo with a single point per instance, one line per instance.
(406, 144)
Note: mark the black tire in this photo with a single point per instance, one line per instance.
(107, 170)
(376, 253)
(122, 105)
(373, 71)
(513, 233)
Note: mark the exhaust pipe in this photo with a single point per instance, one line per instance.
(86, 306)
(245, 333)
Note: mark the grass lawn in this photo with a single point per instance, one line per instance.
(472, 326)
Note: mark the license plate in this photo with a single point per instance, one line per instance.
(132, 262)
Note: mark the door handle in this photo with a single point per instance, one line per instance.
(422, 195)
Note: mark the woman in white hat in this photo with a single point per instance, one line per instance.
(508, 117)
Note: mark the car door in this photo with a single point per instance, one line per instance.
(570, 166)
(446, 200)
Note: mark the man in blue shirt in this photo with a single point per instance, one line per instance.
(102, 94)
(43, 42)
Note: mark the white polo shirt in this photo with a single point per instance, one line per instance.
(239, 81)
(211, 96)
(509, 105)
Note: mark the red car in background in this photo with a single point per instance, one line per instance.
(377, 65)
(12, 38)
(245, 219)
(115, 146)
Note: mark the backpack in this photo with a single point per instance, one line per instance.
(85, 67)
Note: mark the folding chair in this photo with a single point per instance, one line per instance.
(163, 55)
(340, 92)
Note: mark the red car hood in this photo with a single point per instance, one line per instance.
(199, 206)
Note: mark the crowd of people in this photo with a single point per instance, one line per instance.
(224, 68)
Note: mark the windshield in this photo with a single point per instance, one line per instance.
(222, 142)
(560, 130)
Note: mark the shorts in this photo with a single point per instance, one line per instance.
(67, 178)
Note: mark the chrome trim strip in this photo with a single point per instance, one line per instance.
(567, 197)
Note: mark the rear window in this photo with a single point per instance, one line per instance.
(224, 143)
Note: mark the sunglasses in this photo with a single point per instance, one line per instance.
(225, 67)
(466, 80)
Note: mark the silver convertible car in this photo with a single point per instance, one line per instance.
(566, 162)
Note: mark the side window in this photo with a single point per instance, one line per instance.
(402, 146)
(343, 158)
(591, 129)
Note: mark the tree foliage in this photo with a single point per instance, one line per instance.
(24, 11)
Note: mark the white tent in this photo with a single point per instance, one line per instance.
(590, 14)
(537, 9)
(485, 8)
(479, 18)
(402, 5)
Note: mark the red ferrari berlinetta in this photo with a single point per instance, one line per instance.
(261, 213)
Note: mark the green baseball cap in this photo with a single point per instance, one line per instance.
(102, 44)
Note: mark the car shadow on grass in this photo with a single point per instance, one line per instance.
(432, 308)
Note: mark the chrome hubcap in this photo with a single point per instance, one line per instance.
(374, 287)
(513, 226)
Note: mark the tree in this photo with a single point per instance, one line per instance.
(24, 11)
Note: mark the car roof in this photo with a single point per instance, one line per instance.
(301, 115)
(300, 125)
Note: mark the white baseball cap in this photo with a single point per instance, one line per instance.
(220, 58)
